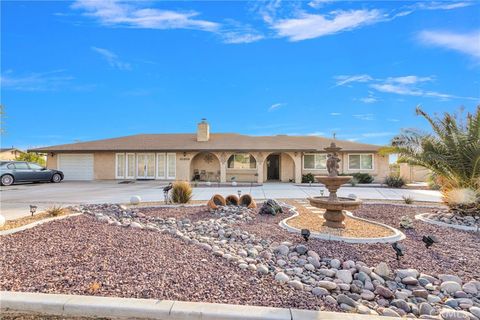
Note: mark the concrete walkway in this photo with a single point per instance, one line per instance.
(15, 200)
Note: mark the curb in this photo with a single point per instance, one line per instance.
(422, 217)
(398, 235)
(37, 223)
(128, 308)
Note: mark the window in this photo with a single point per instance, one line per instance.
(315, 161)
(35, 166)
(21, 166)
(171, 165)
(360, 161)
(242, 161)
(130, 166)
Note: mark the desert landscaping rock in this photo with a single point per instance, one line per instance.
(179, 253)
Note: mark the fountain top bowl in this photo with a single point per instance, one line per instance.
(341, 203)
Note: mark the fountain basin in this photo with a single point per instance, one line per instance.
(334, 215)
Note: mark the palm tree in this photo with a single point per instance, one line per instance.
(451, 152)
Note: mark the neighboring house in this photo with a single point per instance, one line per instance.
(414, 173)
(10, 153)
(210, 157)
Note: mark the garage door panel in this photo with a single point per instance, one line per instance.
(76, 166)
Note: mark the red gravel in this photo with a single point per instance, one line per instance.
(67, 256)
(193, 213)
(458, 252)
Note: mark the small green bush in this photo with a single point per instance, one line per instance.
(394, 181)
(354, 182)
(307, 178)
(181, 192)
(363, 177)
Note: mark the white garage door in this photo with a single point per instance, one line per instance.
(76, 166)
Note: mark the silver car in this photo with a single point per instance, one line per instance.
(22, 171)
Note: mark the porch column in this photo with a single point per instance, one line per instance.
(260, 160)
(223, 167)
(297, 159)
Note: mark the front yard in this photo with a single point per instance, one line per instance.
(237, 256)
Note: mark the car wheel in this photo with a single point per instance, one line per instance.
(56, 178)
(7, 180)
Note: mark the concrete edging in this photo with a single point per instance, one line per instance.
(398, 235)
(422, 217)
(37, 223)
(128, 308)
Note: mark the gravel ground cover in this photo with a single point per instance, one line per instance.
(20, 316)
(236, 256)
(457, 253)
(75, 254)
(353, 228)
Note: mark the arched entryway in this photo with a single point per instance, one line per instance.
(279, 167)
(205, 166)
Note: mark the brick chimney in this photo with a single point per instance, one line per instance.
(203, 131)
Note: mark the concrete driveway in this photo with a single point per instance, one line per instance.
(15, 200)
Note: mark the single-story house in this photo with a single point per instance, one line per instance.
(10, 153)
(213, 157)
(414, 173)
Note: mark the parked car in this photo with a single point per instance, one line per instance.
(21, 171)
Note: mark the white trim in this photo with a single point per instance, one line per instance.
(167, 172)
(124, 167)
(361, 154)
(314, 154)
(164, 166)
(146, 169)
(127, 164)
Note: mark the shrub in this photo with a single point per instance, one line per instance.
(307, 178)
(394, 181)
(407, 199)
(181, 192)
(354, 182)
(55, 211)
(363, 177)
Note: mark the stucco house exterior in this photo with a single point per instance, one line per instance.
(217, 157)
(10, 153)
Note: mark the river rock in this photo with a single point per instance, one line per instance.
(425, 308)
(382, 270)
(319, 291)
(384, 292)
(450, 287)
(282, 277)
(282, 249)
(450, 277)
(345, 276)
(327, 285)
(470, 288)
(335, 263)
(403, 273)
(301, 249)
(296, 284)
(341, 298)
(475, 311)
(262, 269)
(449, 314)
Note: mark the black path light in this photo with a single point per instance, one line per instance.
(305, 234)
(429, 241)
(33, 209)
(399, 250)
(165, 192)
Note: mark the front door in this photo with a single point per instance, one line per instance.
(273, 167)
(146, 166)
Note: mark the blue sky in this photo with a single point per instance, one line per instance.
(88, 70)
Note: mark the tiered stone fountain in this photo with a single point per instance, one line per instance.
(334, 205)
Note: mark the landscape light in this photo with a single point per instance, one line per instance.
(429, 241)
(322, 192)
(399, 249)
(239, 193)
(305, 234)
(33, 209)
(165, 192)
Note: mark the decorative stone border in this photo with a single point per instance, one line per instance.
(423, 217)
(128, 308)
(36, 223)
(398, 235)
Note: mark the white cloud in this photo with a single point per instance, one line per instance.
(276, 106)
(112, 59)
(114, 13)
(409, 85)
(364, 116)
(316, 133)
(442, 5)
(46, 81)
(318, 3)
(467, 43)
(344, 80)
(308, 26)
(335, 114)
